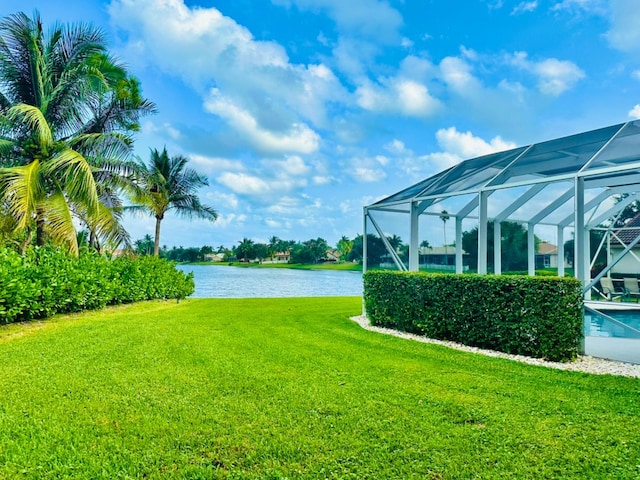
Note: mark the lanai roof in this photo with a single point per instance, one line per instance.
(606, 157)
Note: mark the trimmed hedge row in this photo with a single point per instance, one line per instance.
(537, 317)
(46, 281)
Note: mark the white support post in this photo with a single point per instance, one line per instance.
(364, 241)
(587, 260)
(414, 254)
(578, 225)
(560, 251)
(497, 247)
(482, 233)
(458, 245)
(531, 249)
(364, 254)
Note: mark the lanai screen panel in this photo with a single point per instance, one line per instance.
(415, 190)
(475, 173)
(622, 150)
(554, 158)
(606, 157)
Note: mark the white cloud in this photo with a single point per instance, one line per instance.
(166, 129)
(230, 219)
(406, 43)
(457, 146)
(214, 165)
(574, 7)
(219, 200)
(363, 17)
(635, 112)
(322, 179)
(554, 76)
(292, 165)
(271, 223)
(466, 145)
(524, 7)
(457, 74)
(245, 184)
(367, 175)
(397, 96)
(299, 137)
(354, 56)
(269, 100)
(635, 75)
(624, 33)
(396, 147)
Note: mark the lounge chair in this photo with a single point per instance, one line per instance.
(612, 293)
(631, 286)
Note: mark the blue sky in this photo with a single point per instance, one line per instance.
(300, 112)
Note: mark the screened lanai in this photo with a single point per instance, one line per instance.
(570, 185)
(567, 183)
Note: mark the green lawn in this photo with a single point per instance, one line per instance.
(291, 388)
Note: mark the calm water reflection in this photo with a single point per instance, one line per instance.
(238, 282)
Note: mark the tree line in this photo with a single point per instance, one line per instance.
(69, 112)
(312, 251)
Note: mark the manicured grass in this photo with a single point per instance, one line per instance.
(290, 388)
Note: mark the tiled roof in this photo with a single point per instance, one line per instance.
(546, 248)
(627, 236)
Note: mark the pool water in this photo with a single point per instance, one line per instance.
(601, 326)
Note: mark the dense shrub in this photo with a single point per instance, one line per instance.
(534, 316)
(46, 281)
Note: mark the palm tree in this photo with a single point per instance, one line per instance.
(66, 110)
(245, 249)
(274, 242)
(395, 241)
(444, 216)
(345, 245)
(167, 184)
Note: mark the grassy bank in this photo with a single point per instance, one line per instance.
(347, 266)
(291, 388)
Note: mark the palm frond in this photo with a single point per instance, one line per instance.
(59, 221)
(35, 120)
(76, 176)
(21, 190)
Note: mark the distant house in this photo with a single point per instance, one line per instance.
(213, 257)
(282, 257)
(547, 256)
(332, 256)
(443, 258)
(619, 240)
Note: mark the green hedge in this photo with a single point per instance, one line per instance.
(46, 281)
(534, 316)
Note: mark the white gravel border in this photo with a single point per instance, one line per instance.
(584, 364)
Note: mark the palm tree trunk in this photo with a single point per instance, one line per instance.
(156, 247)
(93, 241)
(40, 234)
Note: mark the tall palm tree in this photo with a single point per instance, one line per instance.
(444, 216)
(245, 249)
(167, 184)
(66, 110)
(345, 245)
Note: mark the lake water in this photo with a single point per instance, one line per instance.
(240, 282)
